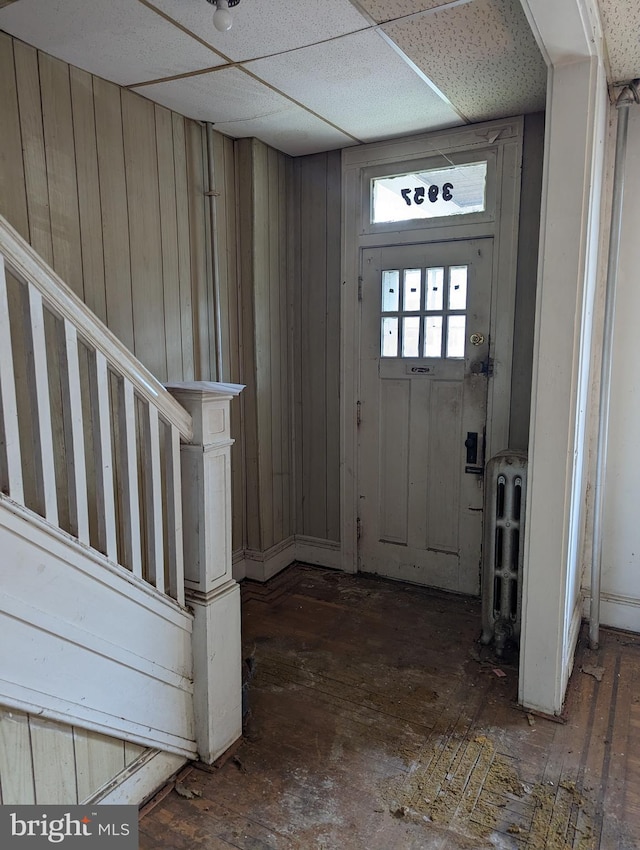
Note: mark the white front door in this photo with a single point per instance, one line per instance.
(423, 402)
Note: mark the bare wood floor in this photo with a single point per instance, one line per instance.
(377, 722)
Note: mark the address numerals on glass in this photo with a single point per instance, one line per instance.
(432, 193)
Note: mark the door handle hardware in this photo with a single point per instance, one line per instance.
(483, 367)
(471, 445)
(476, 339)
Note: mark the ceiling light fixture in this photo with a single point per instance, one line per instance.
(222, 19)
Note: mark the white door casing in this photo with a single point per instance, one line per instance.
(425, 368)
(500, 143)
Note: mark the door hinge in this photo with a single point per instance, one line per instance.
(358, 528)
(360, 288)
(358, 413)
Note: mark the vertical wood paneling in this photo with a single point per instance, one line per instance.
(295, 296)
(263, 336)
(199, 238)
(64, 763)
(53, 759)
(130, 234)
(141, 168)
(263, 221)
(224, 159)
(246, 247)
(132, 752)
(97, 759)
(84, 130)
(317, 308)
(61, 170)
(332, 354)
(314, 364)
(13, 198)
(114, 208)
(35, 166)
(16, 767)
(286, 430)
(184, 253)
(130, 237)
(169, 242)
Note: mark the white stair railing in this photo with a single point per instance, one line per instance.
(89, 439)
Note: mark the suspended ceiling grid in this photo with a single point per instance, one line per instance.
(303, 75)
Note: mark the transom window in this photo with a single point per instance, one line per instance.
(424, 312)
(454, 190)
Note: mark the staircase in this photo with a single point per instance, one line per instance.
(93, 449)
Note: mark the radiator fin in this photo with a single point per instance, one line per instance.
(506, 484)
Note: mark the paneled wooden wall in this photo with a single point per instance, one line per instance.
(264, 226)
(108, 188)
(316, 193)
(47, 763)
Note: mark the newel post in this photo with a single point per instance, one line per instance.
(209, 586)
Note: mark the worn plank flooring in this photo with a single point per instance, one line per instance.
(378, 722)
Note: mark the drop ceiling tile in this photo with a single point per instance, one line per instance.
(621, 25)
(361, 84)
(241, 106)
(481, 55)
(389, 10)
(263, 27)
(120, 40)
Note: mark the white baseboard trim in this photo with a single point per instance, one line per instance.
(616, 610)
(239, 568)
(320, 553)
(139, 780)
(261, 566)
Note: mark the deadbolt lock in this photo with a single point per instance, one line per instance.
(476, 339)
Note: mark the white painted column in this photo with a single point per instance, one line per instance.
(575, 133)
(211, 590)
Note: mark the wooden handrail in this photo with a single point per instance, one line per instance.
(23, 262)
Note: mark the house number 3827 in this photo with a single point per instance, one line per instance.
(433, 193)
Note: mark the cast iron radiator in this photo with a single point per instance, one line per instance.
(505, 489)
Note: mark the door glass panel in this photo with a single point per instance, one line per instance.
(435, 288)
(458, 287)
(453, 190)
(433, 336)
(412, 290)
(411, 337)
(455, 336)
(390, 291)
(389, 337)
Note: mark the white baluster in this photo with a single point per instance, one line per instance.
(101, 416)
(154, 500)
(174, 517)
(8, 404)
(72, 411)
(131, 512)
(45, 471)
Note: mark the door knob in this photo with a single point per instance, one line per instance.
(476, 339)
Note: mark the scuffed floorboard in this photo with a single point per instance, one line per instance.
(377, 722)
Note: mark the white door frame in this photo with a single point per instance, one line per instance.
(570, 36)
(502, 141)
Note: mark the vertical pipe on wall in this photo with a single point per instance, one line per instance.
(627, 97)
(212, 194)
